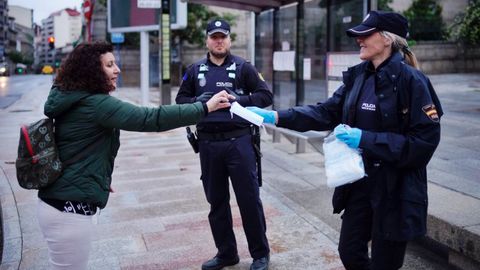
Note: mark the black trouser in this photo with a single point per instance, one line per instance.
(234, 158)
(358, 229)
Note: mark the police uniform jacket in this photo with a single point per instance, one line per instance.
(237, 76)
(82, 118)
(408, 113)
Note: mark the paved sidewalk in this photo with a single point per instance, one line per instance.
(157, 217)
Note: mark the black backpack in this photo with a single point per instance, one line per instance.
(38, 163)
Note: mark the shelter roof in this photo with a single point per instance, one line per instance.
(250, 5)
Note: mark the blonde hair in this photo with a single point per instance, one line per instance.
(400, 44)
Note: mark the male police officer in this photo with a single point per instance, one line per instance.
(226, 149)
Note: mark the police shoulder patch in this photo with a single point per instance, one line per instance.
(431, 112)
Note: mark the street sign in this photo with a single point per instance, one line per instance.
(149, 4)
(118, 37)
(165, 47)
(125, 16)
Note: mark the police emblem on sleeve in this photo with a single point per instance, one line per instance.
(431, 112)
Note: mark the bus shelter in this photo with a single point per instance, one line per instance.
(301, 46)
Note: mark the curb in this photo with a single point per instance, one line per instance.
(11, 230)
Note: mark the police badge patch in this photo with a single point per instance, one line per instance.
(201, 80)
(431, 112)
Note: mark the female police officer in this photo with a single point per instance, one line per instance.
(394, 117)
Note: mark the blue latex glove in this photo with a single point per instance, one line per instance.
(268, 116)
(350, 136)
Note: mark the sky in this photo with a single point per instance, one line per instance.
(43, 8)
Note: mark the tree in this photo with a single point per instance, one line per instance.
(385, 5)
(15, 57)
(197, 20)
(426, 23)
(466, 26)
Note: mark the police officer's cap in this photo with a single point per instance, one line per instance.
(218, 26)
(380, 21)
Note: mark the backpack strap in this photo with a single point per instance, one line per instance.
(28, 144)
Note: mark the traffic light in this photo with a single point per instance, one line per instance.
(51, 43)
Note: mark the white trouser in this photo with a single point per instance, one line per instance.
(68, 237)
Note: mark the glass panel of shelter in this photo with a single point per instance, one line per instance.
(324, 32)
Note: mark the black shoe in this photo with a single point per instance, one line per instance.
(217, 263)
(260, 264)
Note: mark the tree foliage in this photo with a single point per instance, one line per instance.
(385, 5)
(198, 18)
(426, 22)
(466, 27)
(15, 57)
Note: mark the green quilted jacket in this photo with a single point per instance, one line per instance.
(82, 118)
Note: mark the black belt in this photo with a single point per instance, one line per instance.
(219, 136)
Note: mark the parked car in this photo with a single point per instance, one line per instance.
(47, 69)
(4, 69)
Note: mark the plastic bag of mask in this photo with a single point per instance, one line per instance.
(342, 164)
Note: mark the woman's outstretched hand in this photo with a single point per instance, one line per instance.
(219, 101)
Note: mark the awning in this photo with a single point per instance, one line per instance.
(250, 5)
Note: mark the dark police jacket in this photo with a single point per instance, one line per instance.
(235, 75)
(409, 118)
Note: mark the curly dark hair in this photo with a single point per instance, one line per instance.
(82, 69)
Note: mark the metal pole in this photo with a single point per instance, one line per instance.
(275, 40)
(300, 83)
(160, 54)
(166, 53)
(251, 43)
(118, 57)
(144, 67)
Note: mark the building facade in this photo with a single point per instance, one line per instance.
(24, 35)
(23, 16)
(65, 26)
(3, 28)
(38, 46)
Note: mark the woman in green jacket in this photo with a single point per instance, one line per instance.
(86, 114)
